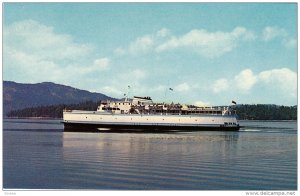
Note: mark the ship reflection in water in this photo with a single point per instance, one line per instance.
(38, 154)
(190, 160)
(151, 161)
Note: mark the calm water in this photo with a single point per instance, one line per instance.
(37, 154)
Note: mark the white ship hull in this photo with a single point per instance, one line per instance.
(89, 119)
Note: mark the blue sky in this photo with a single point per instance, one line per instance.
(209, 53)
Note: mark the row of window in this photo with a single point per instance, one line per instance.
(122, 103)
(179, 120)
(109, 109)
(172, 112)
(229, 123)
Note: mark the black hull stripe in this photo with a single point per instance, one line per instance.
(152, 128)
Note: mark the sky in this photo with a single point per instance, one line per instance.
(207, 53)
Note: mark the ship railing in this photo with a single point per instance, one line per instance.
(178, 113)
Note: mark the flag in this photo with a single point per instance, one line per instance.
(233, 102)
(170, 89)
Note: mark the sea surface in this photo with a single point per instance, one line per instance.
(38, 154)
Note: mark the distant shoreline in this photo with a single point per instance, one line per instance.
(267, 120)
(35, 118)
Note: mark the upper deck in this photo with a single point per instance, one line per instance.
(145, 105)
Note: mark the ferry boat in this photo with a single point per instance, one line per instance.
(141, 113)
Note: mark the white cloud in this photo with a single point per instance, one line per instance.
(271, 33)
(245, 80)
(144, 44)
(163, 32)
(19, 65)
(138, 74)
(132, 77)
(111, 91)
(182, 87)
(281, 80)
(98, 65)
(121, 80)
(119, 51)
(102, 63)
(159, 88)
(201, 103)
(284, 79)
(203, 42)
(41, 41)
(208, 44)
(290, 42)
(141, 45)
(35, 52)
(220, 85)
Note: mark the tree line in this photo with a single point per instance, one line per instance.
(244, 112)
(266, 112)
(52, 111)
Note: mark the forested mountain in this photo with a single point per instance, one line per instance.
(18, 96)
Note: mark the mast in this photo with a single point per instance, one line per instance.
(127, 94)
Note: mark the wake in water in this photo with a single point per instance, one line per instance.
(268, 129)
(269, 126)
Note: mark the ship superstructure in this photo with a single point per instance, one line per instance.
(143, 113)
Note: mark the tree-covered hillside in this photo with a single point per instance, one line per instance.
(53, 111)
(18, 96)
(266, 112)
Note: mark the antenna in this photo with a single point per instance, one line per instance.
(168, 88)
(127, 94)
